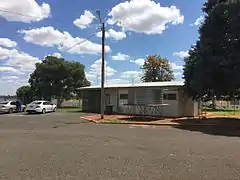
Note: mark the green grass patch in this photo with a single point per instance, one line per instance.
(223, 112)
(69, 110)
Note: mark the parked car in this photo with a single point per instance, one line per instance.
(10, 107)
(40, 107)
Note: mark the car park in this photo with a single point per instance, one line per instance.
(10, 107)
(40, 107)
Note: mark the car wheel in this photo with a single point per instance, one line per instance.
(54, 110)
(29, 112)
(43, 111)
(23, 110)
(10, 111)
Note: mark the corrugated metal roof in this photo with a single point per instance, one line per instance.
(149, 84)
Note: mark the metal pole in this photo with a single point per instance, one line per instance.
(103, 71)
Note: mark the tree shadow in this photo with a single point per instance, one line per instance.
(212, 126)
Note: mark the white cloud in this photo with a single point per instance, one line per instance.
(176, 67)
(94, 74)
(5, 42)
(144, 16)
(3, 53)
(111, 33)
(18, 59)
(58, 55)
(9, 87)
(181, 54)
(24, 10)
(9, 77)
(198, 21)
(117, 81)
(139, 62)
(120, 57)
(177, 74)
(85, 20)
(11, 70)
(50, 37)
(131, 74)
(21, 60)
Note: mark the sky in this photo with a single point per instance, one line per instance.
(31, 30)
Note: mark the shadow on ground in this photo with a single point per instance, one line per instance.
(212, 126)
(141, 119)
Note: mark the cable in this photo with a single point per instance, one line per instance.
(80, 42)
(20, 14)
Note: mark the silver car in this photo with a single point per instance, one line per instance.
(10, 107)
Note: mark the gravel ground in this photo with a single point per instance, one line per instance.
(60, 146)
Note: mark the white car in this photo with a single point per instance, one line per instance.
(40, 107)
(10, 107)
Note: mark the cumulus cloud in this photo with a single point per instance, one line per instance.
(176, 67)
(9, 86)
(120, 57)
(85, 20)
(58, 55)
(24, 10)
(181, 54)
(15, 59)
(198, 21)
(11, 70)
(111, 33)
(95, 71)
(9, 77)
(139, 61)
(50, 37)
(5, 42)
(144, 16)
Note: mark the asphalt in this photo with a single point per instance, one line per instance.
(60, 146)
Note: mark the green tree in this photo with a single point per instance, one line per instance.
(156, 68)
(57, 78)
(214, 63)
(26, 94)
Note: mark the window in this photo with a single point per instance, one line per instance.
(123, 96)
(13, 103)
(47, 103)
(170, 96)
(3, 102)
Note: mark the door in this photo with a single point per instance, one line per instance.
(47, 106)
(13, 105)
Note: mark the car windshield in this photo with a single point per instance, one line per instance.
(36, 102)
(3, 102)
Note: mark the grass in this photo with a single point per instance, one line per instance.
(223, 112)
(69, 109)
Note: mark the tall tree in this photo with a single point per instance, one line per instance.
(157, 69)
(57, 78)
(26, 94)
(214, 62)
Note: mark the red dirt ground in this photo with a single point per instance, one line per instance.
(109, 117)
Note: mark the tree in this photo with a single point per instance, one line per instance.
(26, 94)
(57, 78)
(157, 69)
(213, 65)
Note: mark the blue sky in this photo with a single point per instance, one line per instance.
(135, 29)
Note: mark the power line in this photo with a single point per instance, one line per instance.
(87, 39)
(20, 14)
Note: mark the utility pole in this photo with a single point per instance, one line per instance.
(103, 65)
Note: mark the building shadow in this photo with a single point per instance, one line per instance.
(212, 126)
